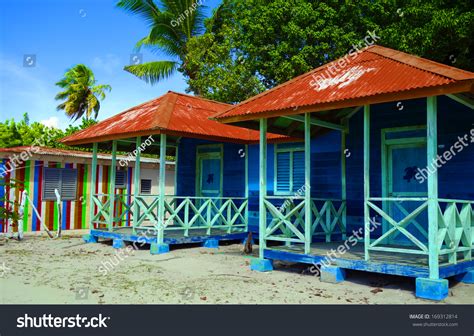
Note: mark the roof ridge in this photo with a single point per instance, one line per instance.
(199, 98)
(422, 63)
(163, 114)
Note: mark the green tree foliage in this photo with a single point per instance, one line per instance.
(172, 23)
(253, 45)
(22, 133)
(81, 94)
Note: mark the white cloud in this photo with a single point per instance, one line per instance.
(51, 122)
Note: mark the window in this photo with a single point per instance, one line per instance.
(62, 179)
(145, 187)
(289, 170)
(120, 179)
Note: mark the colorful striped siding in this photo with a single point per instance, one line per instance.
(74, 214)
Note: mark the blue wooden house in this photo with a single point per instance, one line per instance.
(211, 201)
(382, 182)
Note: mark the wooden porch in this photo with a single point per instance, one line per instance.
(415, 234)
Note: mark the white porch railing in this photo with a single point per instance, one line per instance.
(180, 213)
(455, 227)
(286, 218)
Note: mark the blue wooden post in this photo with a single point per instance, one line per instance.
(261, 264)
(307, 177)
(366, 180)
(161, 206)
(160, 247)
(432, 288)
(113, 172)
(343, 182)
(246, 187)
(432, 152)
(263, 186)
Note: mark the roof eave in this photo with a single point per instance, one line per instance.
(456, 87)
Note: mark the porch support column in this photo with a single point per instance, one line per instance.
(366, 180)
(343, 183)
(136, 182)
(246, 187)
(263, 187)
(307, 179)
(161, 205)
(113, 172)
(95, 147)
(176, 163)
(432, 152)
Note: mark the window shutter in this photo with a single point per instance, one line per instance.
(69, 185)
(121, 179)
(145, 187)
(51, 181)
(283, 172)
(298, 170)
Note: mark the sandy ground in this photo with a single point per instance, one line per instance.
(38, 270)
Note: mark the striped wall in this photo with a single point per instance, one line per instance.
(74, 214)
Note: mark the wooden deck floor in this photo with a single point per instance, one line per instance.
(357, 253)
(170, 236)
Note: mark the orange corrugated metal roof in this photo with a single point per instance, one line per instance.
(375, 75)
(173, 113)
(37, 150)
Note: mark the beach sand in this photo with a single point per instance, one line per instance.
(38, 270)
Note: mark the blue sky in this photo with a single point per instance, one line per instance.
(60, 34)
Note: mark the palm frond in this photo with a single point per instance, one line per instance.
(152, 72)
(146, 9)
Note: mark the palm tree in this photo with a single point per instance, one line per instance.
(171, 25)
(81, 95)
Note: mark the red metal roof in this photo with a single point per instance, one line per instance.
(375, 75)
(174, 114)
(67, 153)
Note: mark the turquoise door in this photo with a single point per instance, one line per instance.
(210, 175)
(209, 166)
(209, 180)
(404, 181)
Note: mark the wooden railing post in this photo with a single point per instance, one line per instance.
(186, 215)
(328, 221)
